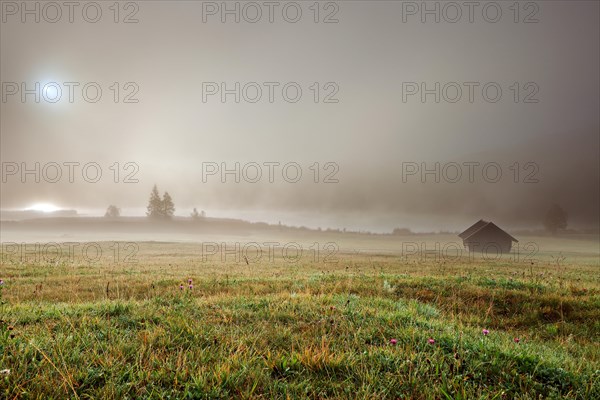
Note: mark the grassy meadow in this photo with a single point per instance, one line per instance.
(168, 323)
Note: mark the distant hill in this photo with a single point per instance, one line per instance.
(72, 223)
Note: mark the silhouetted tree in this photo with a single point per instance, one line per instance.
(556, 218)
(155, 204)
(168, 208)
(401, 231)
(112, 212)
(198, 215)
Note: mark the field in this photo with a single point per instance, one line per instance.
(364, 321)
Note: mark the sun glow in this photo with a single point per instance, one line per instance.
(43, 207)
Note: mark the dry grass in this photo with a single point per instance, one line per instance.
(275, 329)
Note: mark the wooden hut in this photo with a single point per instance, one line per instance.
(484, 236)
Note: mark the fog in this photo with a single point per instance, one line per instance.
(361, 149)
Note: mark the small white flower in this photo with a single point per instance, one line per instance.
(5, 372)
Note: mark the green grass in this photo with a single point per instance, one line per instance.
(302, 330)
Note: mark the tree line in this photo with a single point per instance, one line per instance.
(163, 208)
(158, 207)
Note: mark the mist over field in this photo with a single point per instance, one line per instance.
(364, 131)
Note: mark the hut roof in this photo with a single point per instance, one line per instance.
(483, 226)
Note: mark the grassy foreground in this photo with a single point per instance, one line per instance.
(366, 326)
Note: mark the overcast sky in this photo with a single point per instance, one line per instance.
(371, 61)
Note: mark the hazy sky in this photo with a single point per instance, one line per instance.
(371, 58)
